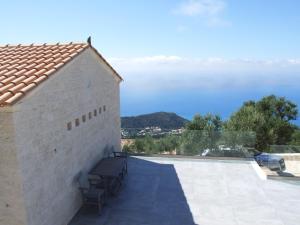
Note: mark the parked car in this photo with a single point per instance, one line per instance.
(273, 162)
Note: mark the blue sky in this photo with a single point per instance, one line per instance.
(185, 56)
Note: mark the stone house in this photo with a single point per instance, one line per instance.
(59, 110)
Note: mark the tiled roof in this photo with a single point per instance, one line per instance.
(22, 68)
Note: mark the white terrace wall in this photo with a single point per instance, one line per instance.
(11, 199)
(51, 155)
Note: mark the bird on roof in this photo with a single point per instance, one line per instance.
(89, 40)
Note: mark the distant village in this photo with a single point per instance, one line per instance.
(127, 133)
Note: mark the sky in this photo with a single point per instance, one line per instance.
(182, 56)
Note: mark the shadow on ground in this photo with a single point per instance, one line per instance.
(285, 174)
(151, 195)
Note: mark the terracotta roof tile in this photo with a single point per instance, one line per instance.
(49, 72)
(6, 96)
(14, 98)
(8, 79)
(28, 88)
(55, 51)
(66, 59)
(23, 60)
(18, 80)
(16, 88)
(30, 72)
(57, 55)
(6, 61)
(40, 72)
(24, 67)
(50, 65)
(2, 67)
(39, 60)
(3, 71)
(29, 80)
(31, 61)
(12, 62)
(10, 72)
(30, 66)
(40, 66)
(20, 72)
(2, 78)
(3, 89)
(40, 79)
(11, 67)
(48, 60)
(58, 65)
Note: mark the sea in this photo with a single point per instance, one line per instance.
(187, 103)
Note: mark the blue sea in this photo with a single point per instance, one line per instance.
(188, 103)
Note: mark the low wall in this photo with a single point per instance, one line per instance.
(289, 156)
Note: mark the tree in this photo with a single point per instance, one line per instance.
(139, 145)
(209, 122)
(248, 119)
(296, 138)
(201, 133)
(168, 143)
(129, 148)
(145, 145)
(269, 118)
(277, 108)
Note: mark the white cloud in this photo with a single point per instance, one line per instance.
(209, 10)
(201, 7)
(162, 72)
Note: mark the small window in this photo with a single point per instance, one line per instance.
(100, 110)
(95, 112)
(104, 108)
(90, 115)
(83, 118)
(69, 126)
(77, 122)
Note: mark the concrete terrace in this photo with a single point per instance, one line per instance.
(168, 191)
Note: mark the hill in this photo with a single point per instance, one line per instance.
(163, 120)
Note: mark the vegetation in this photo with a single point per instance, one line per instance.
(259, 125)
(201, 133)
(150, 145)
(295, 138)
(270, 118)
(163, 120)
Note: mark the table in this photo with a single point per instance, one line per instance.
(111, 170)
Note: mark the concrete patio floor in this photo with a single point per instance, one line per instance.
(168, 191)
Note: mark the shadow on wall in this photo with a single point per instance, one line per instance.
(152, 195)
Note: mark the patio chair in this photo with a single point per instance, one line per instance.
(123, 154)
(91, 194)
(120, 154)
(108, 151)
(96, 181)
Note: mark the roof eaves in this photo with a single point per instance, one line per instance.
(103, 59)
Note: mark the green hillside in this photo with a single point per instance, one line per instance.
(163, 120)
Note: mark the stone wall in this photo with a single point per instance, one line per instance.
(11, 198)
(51, 155)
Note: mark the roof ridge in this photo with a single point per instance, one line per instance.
(44, 44)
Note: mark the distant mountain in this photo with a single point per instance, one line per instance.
(163, 120)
